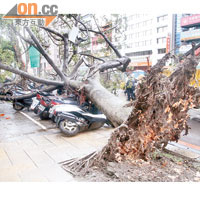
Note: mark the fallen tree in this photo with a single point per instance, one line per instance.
(108, 103)
(158, 115)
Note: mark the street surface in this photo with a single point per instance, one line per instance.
(32, 152)
(31, 149)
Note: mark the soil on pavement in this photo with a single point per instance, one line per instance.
(162, 167)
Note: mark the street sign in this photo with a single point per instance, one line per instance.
(34, 57)
(73, 34)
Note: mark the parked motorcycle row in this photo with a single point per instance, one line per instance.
(69, 116)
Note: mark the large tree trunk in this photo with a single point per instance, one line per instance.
(112, 106)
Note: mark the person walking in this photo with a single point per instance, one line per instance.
(130, 89)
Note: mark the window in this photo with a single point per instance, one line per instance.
(161, 40)
(144, 23)
(161, 51)
(136, 44)
(139, 53)
(161, 29)
(130, 45)
(149, 32)
(148, 42)
(162, 18)
(137, 35)
(137, 25)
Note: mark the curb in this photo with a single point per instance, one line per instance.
(184, 149)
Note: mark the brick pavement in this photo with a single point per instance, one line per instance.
(35, 157)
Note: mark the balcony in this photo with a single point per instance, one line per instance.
(190, 21)
(190, 35)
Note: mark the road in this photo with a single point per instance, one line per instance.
(14, 124)
(194, 133)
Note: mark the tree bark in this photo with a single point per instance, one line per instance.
(113, 107)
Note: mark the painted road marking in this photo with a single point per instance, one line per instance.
(42, 126)
(193, 146)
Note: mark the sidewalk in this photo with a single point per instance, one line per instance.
(36, 157)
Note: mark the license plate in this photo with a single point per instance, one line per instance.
(34, 104)
(41, 107)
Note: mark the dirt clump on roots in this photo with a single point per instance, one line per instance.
(164, 166)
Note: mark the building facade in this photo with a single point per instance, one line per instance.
(149, 37)
(188, 32)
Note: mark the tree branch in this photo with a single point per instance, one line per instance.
(108, 41)
(42, 51)
(22, 37)
(66, 53)
(89, 55)
(120, 64)
(27, 96)
(78, 64)
(28, 76)
(53, 31)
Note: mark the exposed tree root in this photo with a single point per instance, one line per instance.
(159, 115)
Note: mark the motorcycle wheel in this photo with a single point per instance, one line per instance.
(17, 107)
(69, 128)
(44, 115)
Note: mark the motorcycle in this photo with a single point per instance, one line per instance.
(71, 119)
(40, 105)
(20, 104)
(45, 101)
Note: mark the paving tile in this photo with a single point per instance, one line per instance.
(56, 139)
(9, 175)
(4, 160)
(98, 144)
(41, 140)
(59, 154)
(56, 173)
(3, 153)
(82, 146)
(65, 152)
(11, 145)
(18, 157)
(96, 136)
(26, 142)
(33, 175)
(39, 157)
(4, 163)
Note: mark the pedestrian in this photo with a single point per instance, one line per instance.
(130, 89)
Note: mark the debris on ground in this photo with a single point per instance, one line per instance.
(163, 167)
